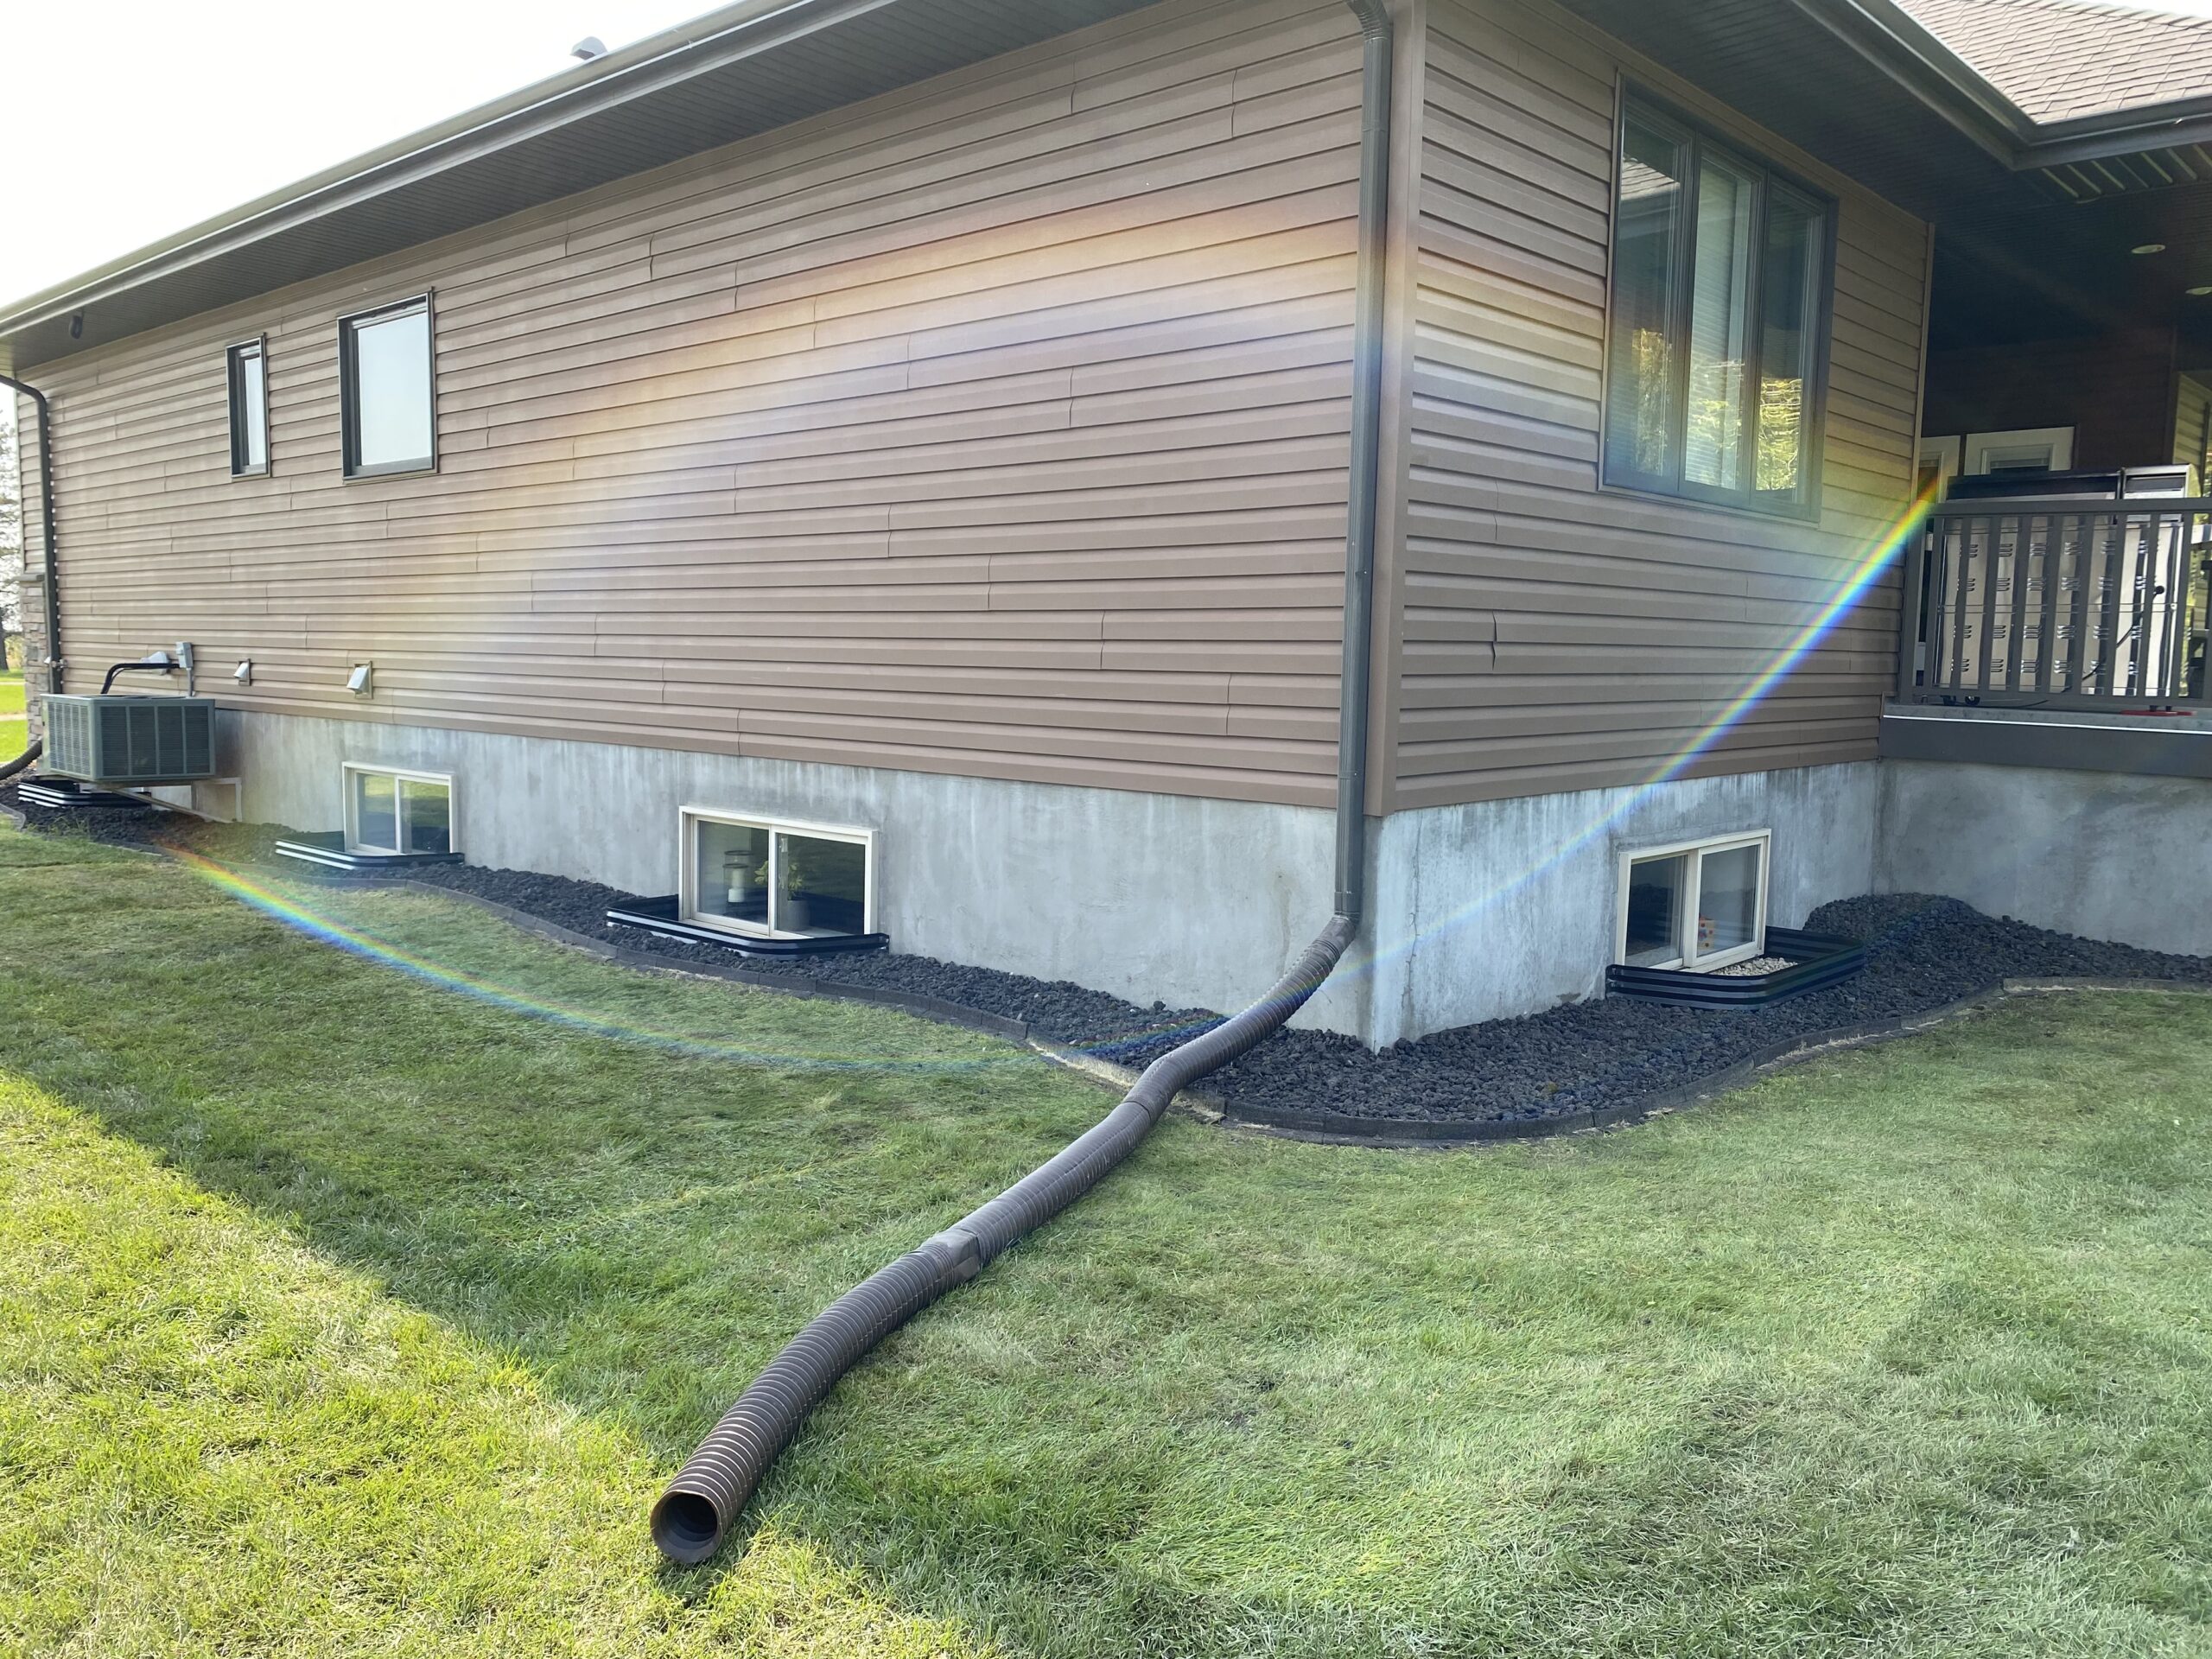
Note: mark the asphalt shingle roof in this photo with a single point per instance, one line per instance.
(2059, 58)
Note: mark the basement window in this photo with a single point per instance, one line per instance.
(248, 371)
(386, 403)
(400, 813)
(1697, 905)
(777, 878)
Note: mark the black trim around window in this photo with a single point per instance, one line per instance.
(1630, 458)
(246, 427)
(349, 389)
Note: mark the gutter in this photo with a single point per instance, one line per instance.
(52, 582)
(647, 65)
(703, 1501)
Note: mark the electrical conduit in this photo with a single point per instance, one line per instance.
(703, 1501)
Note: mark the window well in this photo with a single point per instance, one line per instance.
(391, 817)
(1694, 930)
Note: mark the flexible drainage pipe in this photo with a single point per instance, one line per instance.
(703, 1501)
(22, 760)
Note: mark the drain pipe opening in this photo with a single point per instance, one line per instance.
(704, 1500)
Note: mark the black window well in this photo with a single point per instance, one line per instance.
(386, 403)
(1720, 321)
(249, 379)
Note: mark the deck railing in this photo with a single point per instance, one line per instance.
(2059, 603)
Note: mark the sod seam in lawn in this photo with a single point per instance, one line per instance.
(1902, 1351)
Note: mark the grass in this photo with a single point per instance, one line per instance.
(347, 1312)
(12, 729)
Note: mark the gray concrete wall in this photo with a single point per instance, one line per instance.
(1477, 912)
(1151, 897)
(2102, 854)
(1508, 907)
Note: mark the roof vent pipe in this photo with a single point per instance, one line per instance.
(695, 1515)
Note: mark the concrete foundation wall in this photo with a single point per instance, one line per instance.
(1480, 911)
(1153, 898)
(1510, 907)
(2107, 855)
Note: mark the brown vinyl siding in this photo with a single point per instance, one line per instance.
(1555, 636)
(997, 427)
(2116, 391)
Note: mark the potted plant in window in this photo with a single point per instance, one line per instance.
(793, 914)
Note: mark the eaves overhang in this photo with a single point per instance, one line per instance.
(1917, 59)
(1866, 86)
(743, 70)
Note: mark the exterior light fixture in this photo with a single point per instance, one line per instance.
(2148, 247)
(362, 681)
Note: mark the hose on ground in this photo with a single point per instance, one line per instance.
(22, 760)
(705, 1498)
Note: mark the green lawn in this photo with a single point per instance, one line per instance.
(11, 713)
(347, 1312)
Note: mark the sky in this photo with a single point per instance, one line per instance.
(129, 120)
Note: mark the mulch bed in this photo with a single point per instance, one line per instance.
(1923, 953)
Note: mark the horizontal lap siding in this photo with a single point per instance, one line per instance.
(1558, 636)
(997, 428)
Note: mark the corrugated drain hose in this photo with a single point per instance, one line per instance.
(703, 1502)
(704, 1499)
(36, 749)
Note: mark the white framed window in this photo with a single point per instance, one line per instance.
(1698, 905)
(2027, 449)
(776, 878)
(388, 811)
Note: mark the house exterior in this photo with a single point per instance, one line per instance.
(884, 467)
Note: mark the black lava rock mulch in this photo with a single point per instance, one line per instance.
(1922, 953)
(1092, 1021)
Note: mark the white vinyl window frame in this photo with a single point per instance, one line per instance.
(1697, 852)
(688, 866)
(401, 778)
(2054, 443)
(1941, 456)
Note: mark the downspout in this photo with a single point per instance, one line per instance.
(46, 527)
(704, 1500)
